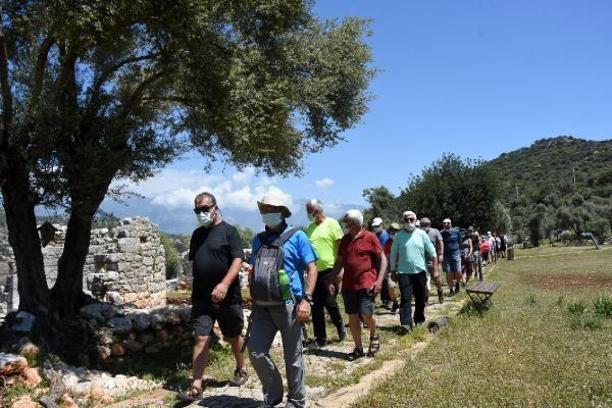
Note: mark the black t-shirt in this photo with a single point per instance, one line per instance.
(475, 242)
(212, 251)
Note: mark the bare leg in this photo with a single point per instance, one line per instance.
(355, 326)
(371, 322)
(200, 357)
(236, 344)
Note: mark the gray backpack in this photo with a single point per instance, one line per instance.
(269, 259)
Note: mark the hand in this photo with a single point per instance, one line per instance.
(440, 258)
(332, 289)
(377, 287)
(218, 294)
(303, 311)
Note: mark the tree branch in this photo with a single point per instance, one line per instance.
(41, 62)
(7, 95)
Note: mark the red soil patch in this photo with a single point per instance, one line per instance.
(573, 281)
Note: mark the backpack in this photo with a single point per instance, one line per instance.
(269, 259)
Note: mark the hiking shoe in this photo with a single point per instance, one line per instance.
(440, 296)
(404, 329)
(457, 288)
(395, 306)
(341, 335)
(240, 378)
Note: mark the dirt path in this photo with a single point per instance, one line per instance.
(332, 381)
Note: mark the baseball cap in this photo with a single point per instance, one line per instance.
(377, 222)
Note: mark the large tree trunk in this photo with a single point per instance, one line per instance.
(23, 235)
(67, 294)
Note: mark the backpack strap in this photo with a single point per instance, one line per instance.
(284, 237)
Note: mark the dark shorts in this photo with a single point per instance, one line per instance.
(451, 263)
(230, 318)
(358, 302)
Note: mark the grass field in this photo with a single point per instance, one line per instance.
(546, 342)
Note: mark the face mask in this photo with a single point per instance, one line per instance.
(311, 217)
(410, 226)
(272, 220)
(205, 219)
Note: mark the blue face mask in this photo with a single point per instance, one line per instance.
(272, 220)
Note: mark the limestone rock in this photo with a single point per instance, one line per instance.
(67, 402)
(11, 364)
(97, 311)
(173, 318)
(114, 298)
(24, 323)
(104, 352)
(129, 245)
(120, 325)
(25, 401)
(117, 349)
(157, 321)
(105, 336)
(141, 322)
(132, 346)
(31, 377)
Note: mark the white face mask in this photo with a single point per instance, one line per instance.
(205, 219)
(410, 226)
(311, 217)
(272, 220)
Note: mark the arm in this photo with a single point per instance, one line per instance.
(220, 291)
(440, 249)
(392, 262)
(303, 309)
(381, 273)
(431, 250)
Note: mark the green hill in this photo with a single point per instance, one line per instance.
(548, 165)
(556, 184)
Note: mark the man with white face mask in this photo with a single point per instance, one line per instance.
(216, 253)
(407, 262)
(268, 319)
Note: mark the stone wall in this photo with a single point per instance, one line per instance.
(125, 264)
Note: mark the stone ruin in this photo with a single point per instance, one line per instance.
(125, 265)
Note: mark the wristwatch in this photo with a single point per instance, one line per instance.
(308, 298)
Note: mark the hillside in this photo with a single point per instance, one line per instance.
(548, 164)
(558, 184)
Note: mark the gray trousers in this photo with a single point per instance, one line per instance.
(267, 320)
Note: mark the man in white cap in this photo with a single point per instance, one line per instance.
(271, 316)
(359, 255)
(409, 250)
(451, 262)
(383, 237)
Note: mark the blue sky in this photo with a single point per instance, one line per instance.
(476, 78)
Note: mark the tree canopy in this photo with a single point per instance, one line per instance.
(95, 91)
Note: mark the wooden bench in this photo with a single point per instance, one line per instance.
(481, 293)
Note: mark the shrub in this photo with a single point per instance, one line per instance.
(603, 305)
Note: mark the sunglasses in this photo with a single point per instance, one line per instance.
(205, 209)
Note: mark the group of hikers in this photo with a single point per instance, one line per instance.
(296, 275)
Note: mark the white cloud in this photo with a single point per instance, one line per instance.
(324, 183)
(175, 189)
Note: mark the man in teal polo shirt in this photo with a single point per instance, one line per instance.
(299, 256)
(408, 262)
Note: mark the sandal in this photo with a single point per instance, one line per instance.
(192, 394)
(355, 354)
(374, 345)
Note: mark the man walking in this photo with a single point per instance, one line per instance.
(451, 262)
(325, 235)
(216, 253)
(438, 243)
(359, 253)
(285, 313)
(408, 261)
(383, 237)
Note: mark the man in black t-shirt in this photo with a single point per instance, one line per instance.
(216, 253)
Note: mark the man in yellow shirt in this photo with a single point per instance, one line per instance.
(325, 235)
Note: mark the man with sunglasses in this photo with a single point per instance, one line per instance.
(216, 253)
(408, 263)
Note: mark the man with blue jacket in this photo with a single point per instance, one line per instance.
(267, 320)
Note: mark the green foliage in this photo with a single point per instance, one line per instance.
(382, 204)
(577, 308)
(173, 260)
(246, 236)
(461, 189)
(543, 174)
(603, 305)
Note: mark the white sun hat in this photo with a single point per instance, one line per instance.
(277, 199)
(377, 222)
